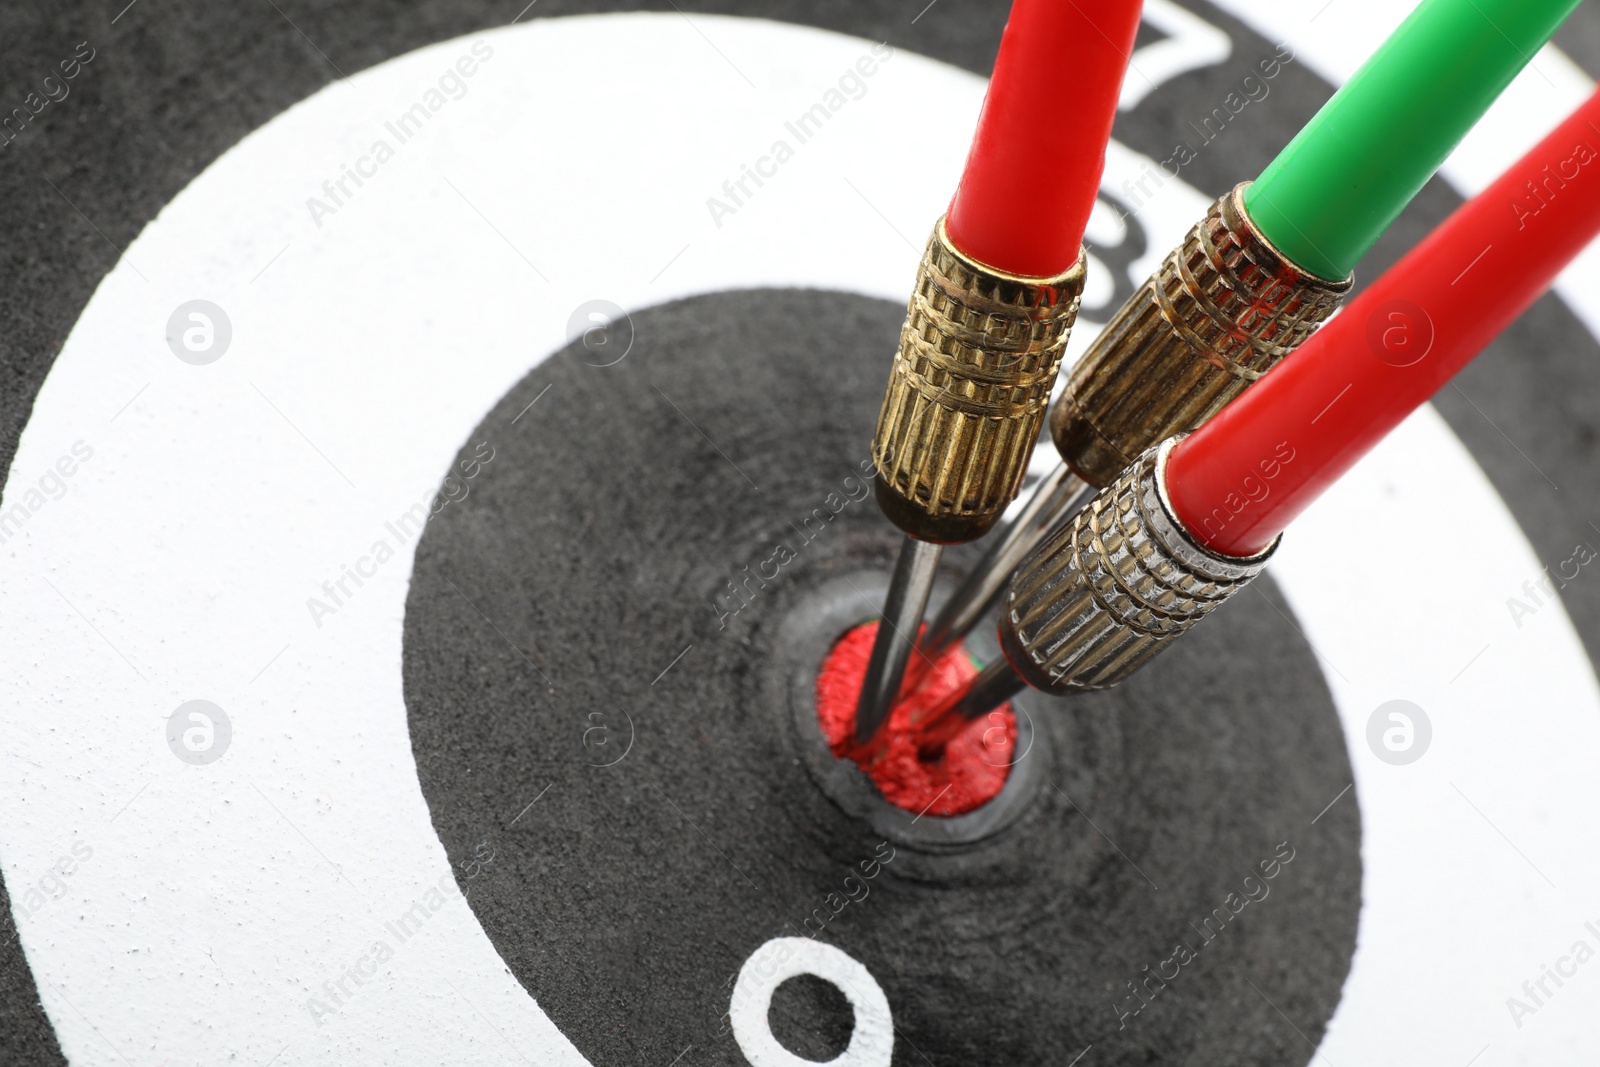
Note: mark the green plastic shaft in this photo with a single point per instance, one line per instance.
(1333, 191)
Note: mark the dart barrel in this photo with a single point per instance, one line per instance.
(1114, 587)
(1222, 309)
(971, 381)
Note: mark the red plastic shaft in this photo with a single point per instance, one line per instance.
(1240, 479)
(1035, 162)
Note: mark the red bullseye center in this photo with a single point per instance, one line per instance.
(973, 768)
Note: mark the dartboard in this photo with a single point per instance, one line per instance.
(436, 441)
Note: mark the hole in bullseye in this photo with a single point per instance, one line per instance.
(970, 772)
(811, 1017)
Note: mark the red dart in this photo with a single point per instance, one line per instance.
(1240, 479)
(1036, 158)
(995, 298)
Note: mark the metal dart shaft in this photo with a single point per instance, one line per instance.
(909, 587)
(1056, 500)
(993, 686)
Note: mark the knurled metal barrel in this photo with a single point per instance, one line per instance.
(1222, 309)
(1112, 588)
(968, 391)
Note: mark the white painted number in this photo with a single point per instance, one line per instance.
(782, 958)
(1188, 43)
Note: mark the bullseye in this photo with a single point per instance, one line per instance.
(968, 774)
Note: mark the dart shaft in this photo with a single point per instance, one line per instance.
(1272, 259)
(1056, 499)
(1030, 182)
(909, 587)
(991, 687)
(1336, 187)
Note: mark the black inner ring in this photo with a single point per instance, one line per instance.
(575, 589)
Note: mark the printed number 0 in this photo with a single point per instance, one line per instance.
(782, 958)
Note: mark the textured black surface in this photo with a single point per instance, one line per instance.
(25, 1034)
(629, 894)
(172, 86)
(811, 1018)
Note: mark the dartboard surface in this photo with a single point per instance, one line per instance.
(384, 678)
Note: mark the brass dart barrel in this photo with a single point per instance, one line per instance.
(966, 398)
(978, 358)
(1100, 598)
(1223, 308)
